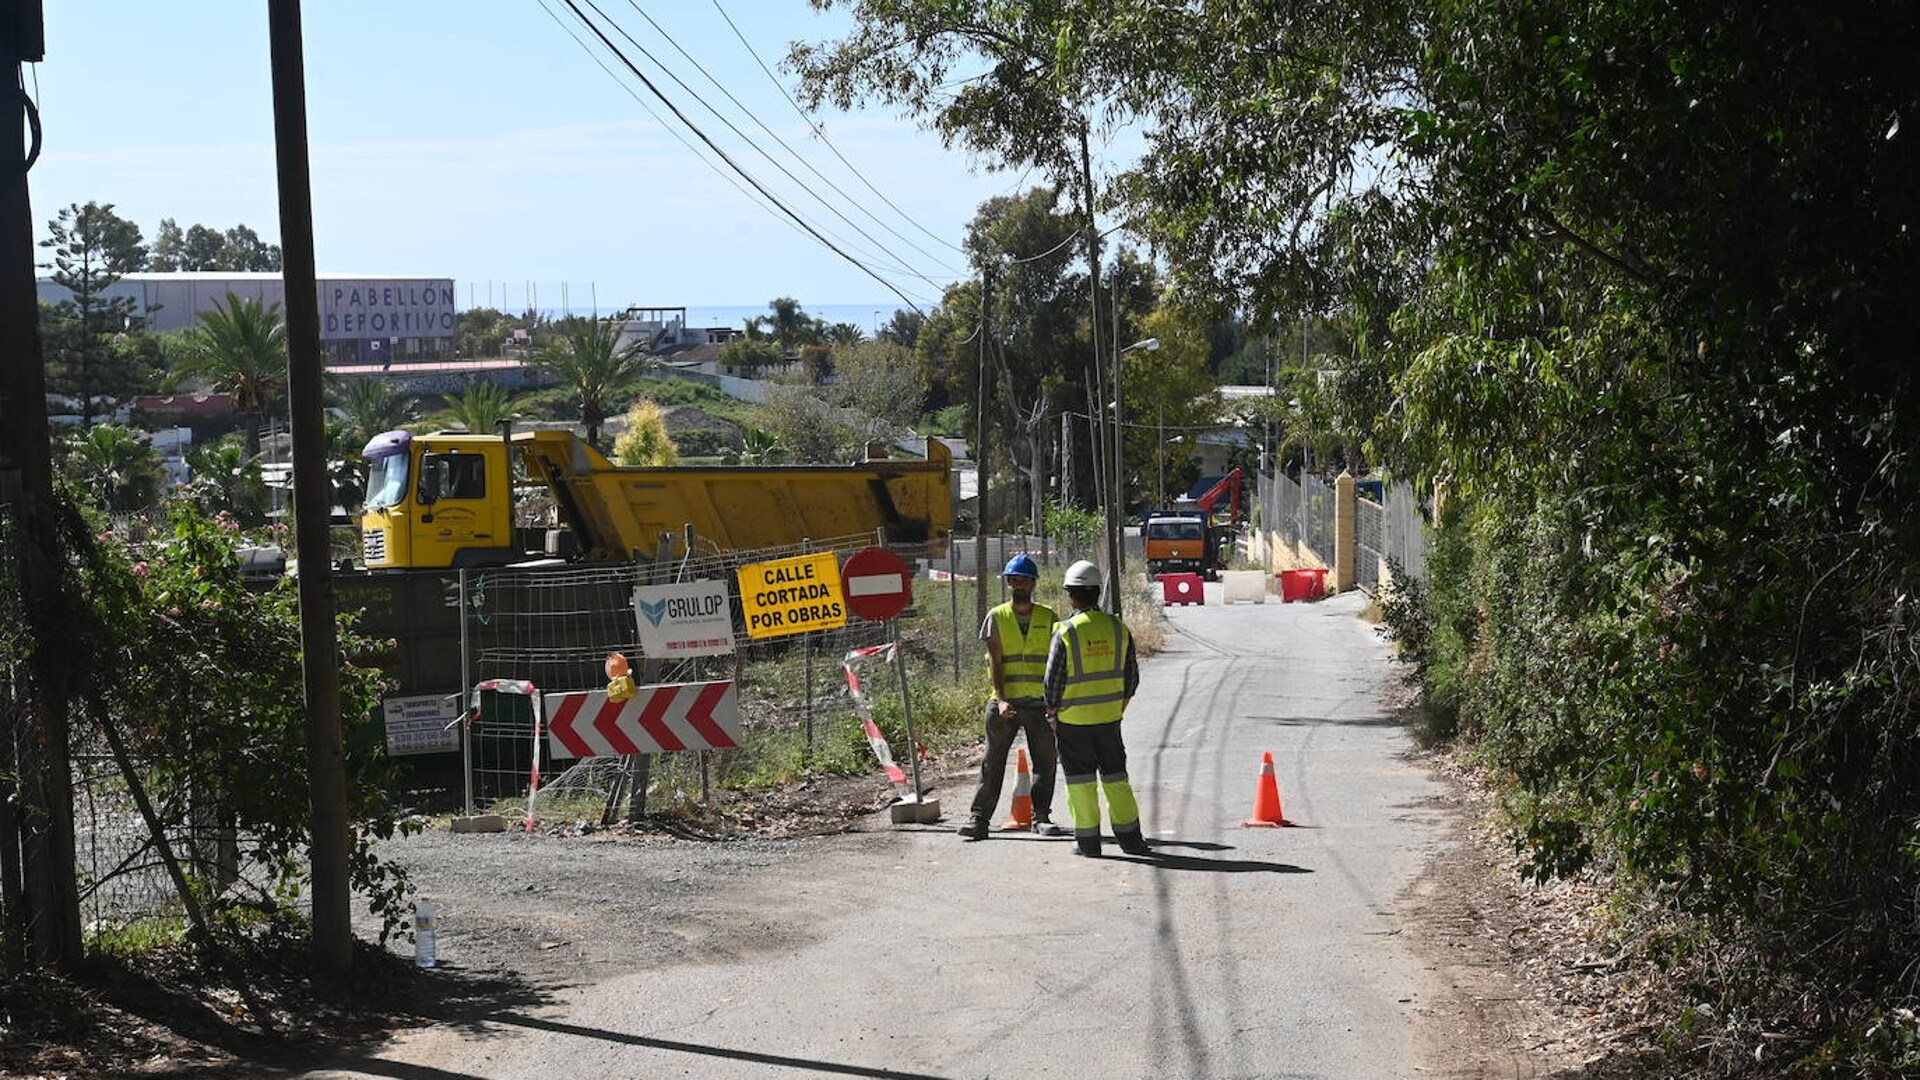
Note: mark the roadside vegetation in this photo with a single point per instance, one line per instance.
(1633, 282)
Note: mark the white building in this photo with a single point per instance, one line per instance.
(363, 320)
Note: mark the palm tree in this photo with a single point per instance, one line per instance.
(759, 447)
(225, 478)
(239, 349)
(586, 357)
(371, 407)
(480, 407)
(114, 466)
(790, 323)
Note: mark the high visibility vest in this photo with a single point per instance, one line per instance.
(1023, 656)
(1096, 655)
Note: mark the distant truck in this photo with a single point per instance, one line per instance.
(447, 500)
(1194, 541)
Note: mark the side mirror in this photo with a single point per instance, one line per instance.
(430, 485)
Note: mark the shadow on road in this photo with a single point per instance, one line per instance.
(621, 1037)
(1167, 861)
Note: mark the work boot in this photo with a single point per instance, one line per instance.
(1134, 844)
(1087, 849)
(974, 829)
(1043, 827)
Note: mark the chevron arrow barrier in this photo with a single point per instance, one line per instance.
(663, 719)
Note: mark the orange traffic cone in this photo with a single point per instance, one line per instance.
(1266, 803)
(1022, 796)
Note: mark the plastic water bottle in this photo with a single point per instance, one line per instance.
(426, 920)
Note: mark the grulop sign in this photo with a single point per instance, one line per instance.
(792, 596)
(686, 619)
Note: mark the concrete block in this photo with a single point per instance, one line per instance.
(909, 812)
(480, 823)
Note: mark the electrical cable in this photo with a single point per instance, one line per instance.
(732, 164)
(756, 147)
(821, 133)
(670, 129)
(33, 122)
(784, 145)
(658, 119)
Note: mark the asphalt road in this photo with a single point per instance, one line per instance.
(902, 951)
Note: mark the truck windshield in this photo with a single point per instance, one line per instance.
(387, 482)
(1174, 530)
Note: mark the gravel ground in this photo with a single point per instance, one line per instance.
(1520, 987)
(572, 902)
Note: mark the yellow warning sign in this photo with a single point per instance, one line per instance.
(792, 596)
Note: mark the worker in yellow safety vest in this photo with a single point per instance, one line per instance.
(1091, 675)
(1016, 635)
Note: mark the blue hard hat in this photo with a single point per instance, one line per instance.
(1022, 566)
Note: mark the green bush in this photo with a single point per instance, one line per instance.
(198, 677)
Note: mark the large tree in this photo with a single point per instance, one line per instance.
(1171, 401)
(586, 357)
(1638, 280)
(88, 359)
(203, 248)
(239, 348)
(168, 248)
(1012, 84)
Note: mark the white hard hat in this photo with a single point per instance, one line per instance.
(1083, 573)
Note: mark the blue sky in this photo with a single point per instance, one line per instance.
(474, 139)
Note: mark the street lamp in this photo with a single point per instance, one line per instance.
(1164, 443)
(1116, 526)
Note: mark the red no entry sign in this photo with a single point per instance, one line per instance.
(878, 584)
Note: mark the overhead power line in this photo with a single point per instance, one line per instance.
(901, 264)
(821, 133)
(657, 118)
(727, 158)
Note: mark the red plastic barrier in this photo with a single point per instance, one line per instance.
(1182, 589)
(1303, 584)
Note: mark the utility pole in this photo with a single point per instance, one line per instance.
(39, 897)
(319, 646)
(1117, 509)
(985, 396)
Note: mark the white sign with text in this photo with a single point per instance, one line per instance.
(422, 724)
(688, 619)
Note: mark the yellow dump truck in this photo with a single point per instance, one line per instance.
(448, 500)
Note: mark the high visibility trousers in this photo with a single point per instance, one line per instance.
(1090, 754)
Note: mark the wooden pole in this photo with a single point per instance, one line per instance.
(39, 891)
(312, 502)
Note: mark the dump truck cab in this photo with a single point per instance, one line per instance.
(437, 500)
(1177, 543)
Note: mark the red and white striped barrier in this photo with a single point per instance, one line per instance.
(663, 719)
(524, 689)
(864, 707)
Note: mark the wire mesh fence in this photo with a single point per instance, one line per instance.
(1391, 532)
(1369, 543)
(555, 627)
(1404, 525)
(1316, 517)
